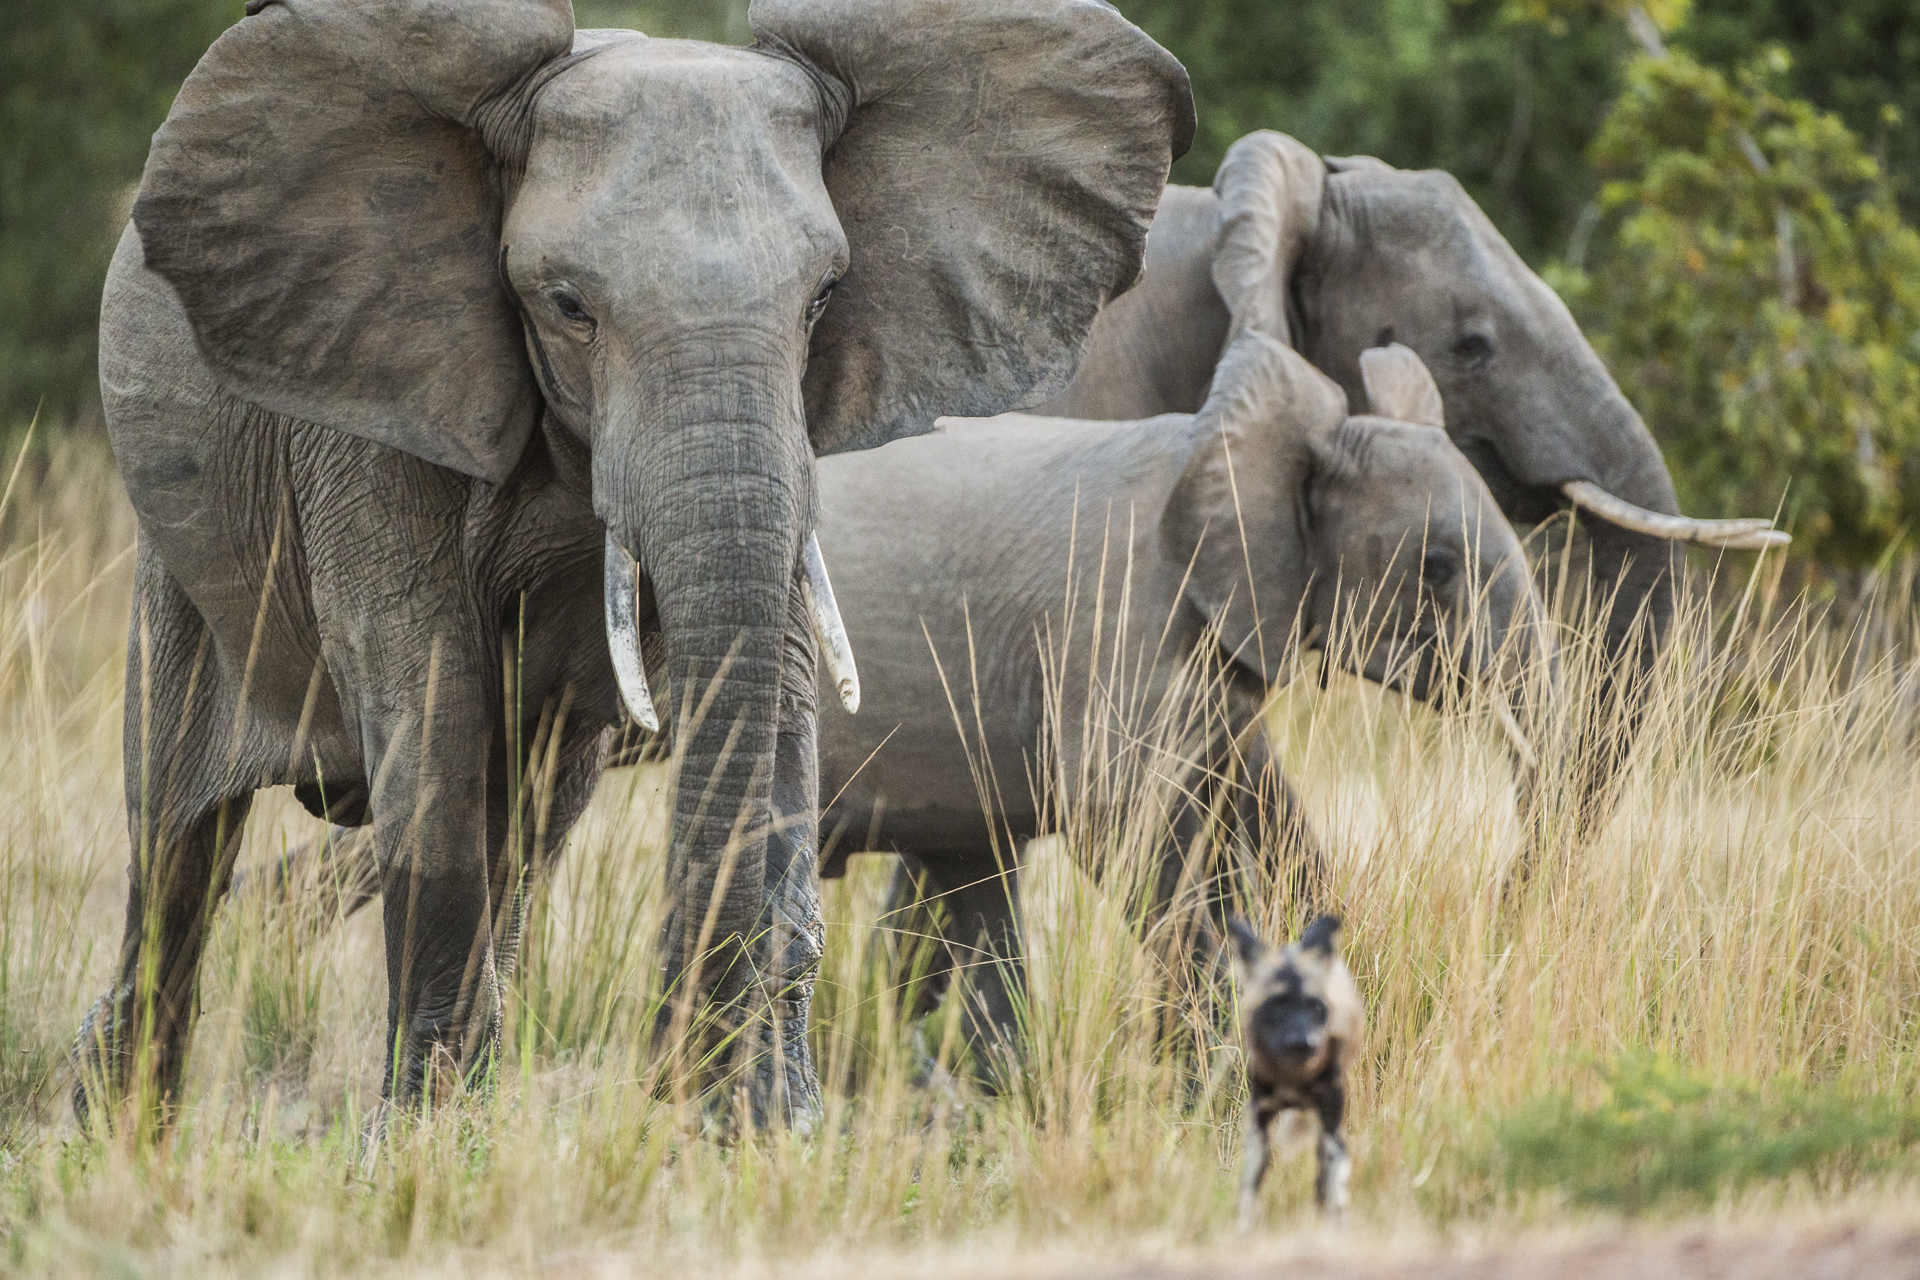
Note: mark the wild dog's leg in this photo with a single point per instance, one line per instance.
(185, 813)
(1333, 1169)
(1256, 1155)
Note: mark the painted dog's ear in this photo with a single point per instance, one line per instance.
(1320, 935)
(1248, 950)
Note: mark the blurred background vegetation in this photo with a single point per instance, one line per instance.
(1765, 316)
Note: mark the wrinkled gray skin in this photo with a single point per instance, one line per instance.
(422, 301)
(966, 541)
(1336, 256)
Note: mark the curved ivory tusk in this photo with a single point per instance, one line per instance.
(1736, 535)
(828, 628)
(1503, 715)
(623, 637)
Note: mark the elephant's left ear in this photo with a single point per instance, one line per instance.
(998, 166)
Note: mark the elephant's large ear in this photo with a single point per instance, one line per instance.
(998, 167)
(324, 200)
(1399, 386)
(1237, 515)
(1270, 189)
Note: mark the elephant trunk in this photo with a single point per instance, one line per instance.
(709, 484)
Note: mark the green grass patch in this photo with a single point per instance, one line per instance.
(1663, 1135)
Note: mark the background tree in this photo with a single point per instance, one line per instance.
(1504, 97)
(1758, 296)
(1745, 390)
(82, 88)
(1856, 58)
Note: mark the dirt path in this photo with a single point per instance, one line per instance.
(1840, 1253)
(1832, 1251)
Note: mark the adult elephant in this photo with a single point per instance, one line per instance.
(1336, 256)
(436, 316)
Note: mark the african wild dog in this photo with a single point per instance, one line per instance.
(1303, 1020)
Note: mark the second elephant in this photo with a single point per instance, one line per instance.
(1270, 518)
(1339, 255)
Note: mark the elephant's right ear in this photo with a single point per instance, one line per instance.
(995, 165)
(1270, 189)
(324, 199)
(1237, 515)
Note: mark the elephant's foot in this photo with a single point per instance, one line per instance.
(115, 1058)
(785, 1085)
(101, 1061)
(748, 1057)
(445, 1052)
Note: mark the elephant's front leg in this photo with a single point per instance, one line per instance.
(432, 832)
(1266, 845)
(791, 923)
(1271, 844)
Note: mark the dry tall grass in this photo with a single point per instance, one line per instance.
(1749, 911)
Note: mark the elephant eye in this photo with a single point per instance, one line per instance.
(568, 302)
(1474, 350)
(1437, 568)
(821, 297)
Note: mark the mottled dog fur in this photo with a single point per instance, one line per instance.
(1301, 1021)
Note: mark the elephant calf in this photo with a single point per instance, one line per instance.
(1270, 518)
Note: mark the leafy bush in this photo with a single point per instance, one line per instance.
(1662, 1135)
(1858, 58)
(1758, 296)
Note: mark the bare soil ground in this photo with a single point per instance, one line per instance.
(1690, 1253)
(1696, 1251)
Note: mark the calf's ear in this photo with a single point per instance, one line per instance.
(1399, 386)
(1238, 514)
(994, 165)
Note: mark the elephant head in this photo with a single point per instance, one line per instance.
(1370, 537)
(1341, 256)
(427, 222)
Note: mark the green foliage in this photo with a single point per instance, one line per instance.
(721, 20)
(1746, 391)
(1664, 1136)
(1859, 59)
(1764, 365)
(82, 87)
(1505, 103)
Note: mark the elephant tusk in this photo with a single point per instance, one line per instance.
(623, 637)
(1503, 715)
(1736, 535)
(828, 628)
